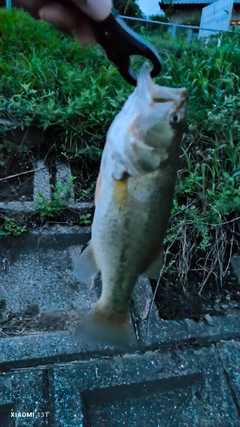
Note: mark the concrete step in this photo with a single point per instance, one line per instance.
(42, 185)
(174, 373)
(186, 387)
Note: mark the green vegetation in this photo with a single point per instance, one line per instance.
(194, 20)
(207, 199)
(51, 208)
(128, 8)
(85, 219)
(48, 81)
(11, 227)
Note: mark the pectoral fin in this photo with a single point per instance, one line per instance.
(122, 167)
(146, 159)
(154, 269)
(86, 267)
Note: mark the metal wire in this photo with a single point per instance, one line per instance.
(151, 21)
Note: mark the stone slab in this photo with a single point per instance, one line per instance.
(54, 237)
(38, 274)
(17, 207)
(162, 388)
(36, 349)
(24, 399)
(41, 185)
(36, 269)
(229, 353)
(170, 388)
(92, 386)
(41, 349)
(81, 206)
(42, 275)
(41, 182)
(63, 173)
(154, 332)
(29, 207)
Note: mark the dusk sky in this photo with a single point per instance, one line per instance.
(149, 7)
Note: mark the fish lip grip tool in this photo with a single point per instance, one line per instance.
(119, 43)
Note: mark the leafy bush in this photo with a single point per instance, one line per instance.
(128, 8)
(194, 20)
(207, 200)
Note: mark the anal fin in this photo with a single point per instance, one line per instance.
(86, 267)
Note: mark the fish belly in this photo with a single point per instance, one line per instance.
(128, 229)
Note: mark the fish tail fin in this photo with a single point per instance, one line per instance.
(114, 327)
(106, 328)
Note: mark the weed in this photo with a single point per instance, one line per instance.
(50, 208)
(85, 219)
(10, 227)
(88, 193)
(2, 234)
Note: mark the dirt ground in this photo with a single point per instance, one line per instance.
(175, 302)
(31, 321)
(20, 187)
(172, 300)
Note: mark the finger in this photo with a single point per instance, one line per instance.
(68, 21)
(96, 9)
(60, 17)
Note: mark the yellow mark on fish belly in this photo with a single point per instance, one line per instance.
(121, 191)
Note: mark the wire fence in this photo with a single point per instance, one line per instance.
(190, 32)
(169, 24)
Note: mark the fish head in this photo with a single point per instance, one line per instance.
(158, 105)
(161, 120)
(149, 128)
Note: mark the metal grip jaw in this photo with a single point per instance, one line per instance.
(120, 43)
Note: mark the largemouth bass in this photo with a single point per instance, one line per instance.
(133, 200)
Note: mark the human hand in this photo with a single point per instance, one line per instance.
(66, 19)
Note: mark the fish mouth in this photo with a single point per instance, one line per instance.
(153, 93)
(183, 97)
(162, 94)
(162, 100)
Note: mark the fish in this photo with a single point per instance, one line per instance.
(133, 201)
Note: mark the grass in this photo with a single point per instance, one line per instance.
(49, 81)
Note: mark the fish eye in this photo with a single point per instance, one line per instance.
(175, 118)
